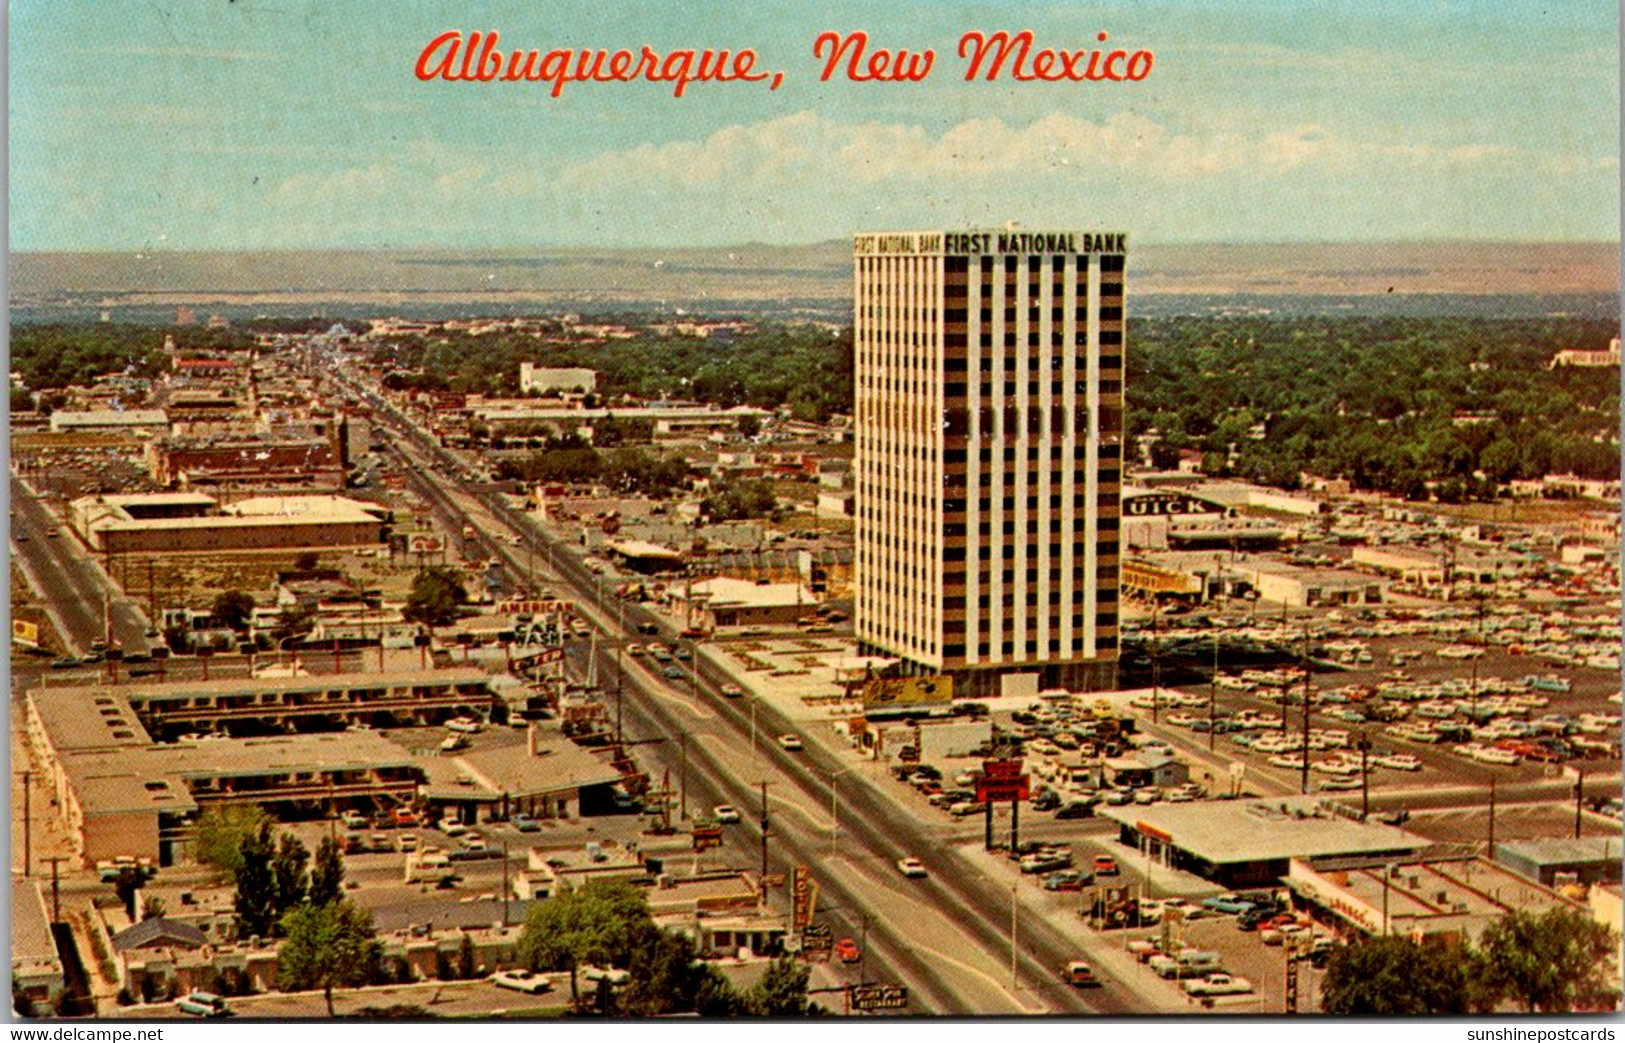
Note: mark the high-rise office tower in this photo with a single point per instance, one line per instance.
(989, 454)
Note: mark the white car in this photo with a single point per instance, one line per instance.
(465, 725)
(732, 691)
(521, 981)
(1217, 985)
(726, 813)
(452, 827)
(911, 867)
(1399, 762)
(790, 742)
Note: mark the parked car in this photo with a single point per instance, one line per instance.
(1218, 985)
(525, 822)
(847, 951)
(200, 1004)
(353, 820)
(1228, 903)
(726, 813)
(1067, 880)
(465, 725)
(521, 981)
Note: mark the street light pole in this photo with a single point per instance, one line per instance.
(834, 820)
(1013, 981)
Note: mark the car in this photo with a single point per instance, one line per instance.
(521, 981)
(634, 649)
(452, 827)
(465, 725)
(847, 951)
(790, 742)
(911, 867)
(1228, 903)
(525, 822)
(380, 842)
(1045, 862)
(1340, 783)
(64, 663)
(675, 673)
(453, 743)
(1106, 865)
(1067, 880)
(1079, 973)
(404, 817)
(200, 1004)
(473, 842)
(53, 532)
(406, 842)
(1076, 809)
(353, 820)
(732, 691)
(726, 813)
(1217, 985)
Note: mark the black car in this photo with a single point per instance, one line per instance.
(1076, 809)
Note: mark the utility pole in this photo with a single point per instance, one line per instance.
(56, 890)
(1213, 695)
(1492, 816)
(1304, 752)
(1013, 980)
(505, 887)
(764, 843)
(28, 822)
(682, 777)
(1579, 800)
(1363, 744)
(1156, 672)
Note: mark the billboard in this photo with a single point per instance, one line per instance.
(877, 997)
(801, 896)
(883, 692)
(419, 543)
(24, 633)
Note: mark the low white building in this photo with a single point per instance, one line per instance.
(566, 380)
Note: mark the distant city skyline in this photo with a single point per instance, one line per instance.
(291, 124)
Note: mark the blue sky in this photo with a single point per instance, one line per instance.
(181, 124)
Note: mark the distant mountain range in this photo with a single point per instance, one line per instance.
(812, 280)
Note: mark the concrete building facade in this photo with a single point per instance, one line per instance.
(988, 425)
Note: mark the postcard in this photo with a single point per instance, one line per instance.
(938, 510)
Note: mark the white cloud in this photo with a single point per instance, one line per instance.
(806, 148)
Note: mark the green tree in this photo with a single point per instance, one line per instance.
(1551, 962)
(256, 897)
(221, 833)
(435, 597)
(465, 957)
(668, 977)
(327, 873)
(600, 923)
(152, 907)
(781, 991)
(327, 947)
(233, 607)
(1397, 977)
(288, 872)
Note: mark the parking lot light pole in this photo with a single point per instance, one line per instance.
(1363, 744)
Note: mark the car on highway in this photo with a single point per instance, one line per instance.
(675, 673)
(911, 867)
(726, 813)
(1079, 973)
(790, 742)
(847, 951)
(732, 691)
(1106, 865)
(634, 649)
(521, 981)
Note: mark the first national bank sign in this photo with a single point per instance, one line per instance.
(966, 244)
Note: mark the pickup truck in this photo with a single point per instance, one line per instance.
(1218, 985)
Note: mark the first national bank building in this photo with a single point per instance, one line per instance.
(989, 454)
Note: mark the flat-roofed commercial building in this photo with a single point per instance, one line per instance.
(182, 522)
(1246, 843)
(988, 427)
(252, 703)
(120, 794)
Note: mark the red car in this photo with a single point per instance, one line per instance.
(405, 817)
(846, 950)
(1105, 865)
